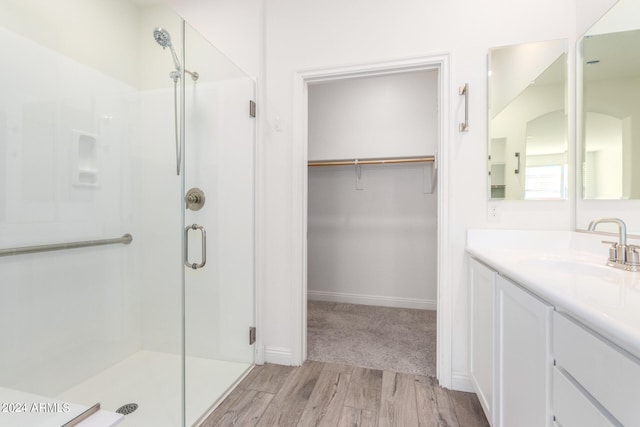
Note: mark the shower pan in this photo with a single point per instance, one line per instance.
(156, 330)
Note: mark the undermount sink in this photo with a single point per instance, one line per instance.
(575, 267)
(583, 271)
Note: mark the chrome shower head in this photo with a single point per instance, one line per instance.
(163, 38)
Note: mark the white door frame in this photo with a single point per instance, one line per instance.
(299, 160)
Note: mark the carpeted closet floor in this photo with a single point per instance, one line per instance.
(391, 339)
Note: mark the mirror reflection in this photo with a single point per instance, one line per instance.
(528, 121)
(610, 124)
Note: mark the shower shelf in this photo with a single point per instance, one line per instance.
(85, 159)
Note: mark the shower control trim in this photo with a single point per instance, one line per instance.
(194, 199)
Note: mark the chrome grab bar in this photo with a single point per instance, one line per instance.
(203, 261)
(125, 239)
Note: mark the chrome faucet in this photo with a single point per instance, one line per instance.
(621, 255)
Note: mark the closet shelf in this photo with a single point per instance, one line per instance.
(376, 161)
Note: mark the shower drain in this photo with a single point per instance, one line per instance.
(127, 409)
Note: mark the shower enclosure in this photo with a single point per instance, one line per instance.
(95, 121)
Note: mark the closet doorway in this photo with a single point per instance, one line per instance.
(372, 220)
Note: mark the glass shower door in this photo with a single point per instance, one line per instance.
(218, 225)
(87, 154)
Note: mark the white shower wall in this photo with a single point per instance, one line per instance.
(67, 314)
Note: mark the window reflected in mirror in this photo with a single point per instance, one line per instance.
(527, 154)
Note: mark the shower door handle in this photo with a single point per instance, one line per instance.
(203, 261)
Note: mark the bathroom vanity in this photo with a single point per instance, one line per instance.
(554, 332)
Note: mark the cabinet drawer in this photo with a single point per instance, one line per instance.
(608, 374)
(571, 408)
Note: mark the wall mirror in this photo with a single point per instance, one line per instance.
(608, 116)
(527, 92)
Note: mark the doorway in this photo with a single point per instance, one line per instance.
(369, 178)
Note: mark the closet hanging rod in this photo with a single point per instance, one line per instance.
(392, 160)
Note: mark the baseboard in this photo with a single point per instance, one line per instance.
(278, 356)
(461, 381)
(383, 301)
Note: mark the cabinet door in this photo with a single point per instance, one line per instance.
(523, 357)
(482, 296)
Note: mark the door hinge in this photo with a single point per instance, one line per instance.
(252, 108)
(252, 335)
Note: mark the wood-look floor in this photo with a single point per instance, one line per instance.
(327, 394)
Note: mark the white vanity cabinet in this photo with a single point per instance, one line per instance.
(510, 350)
(564, 328)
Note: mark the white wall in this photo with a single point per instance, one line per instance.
(375, 116)
(375, 246)
(374, 243)
(69, 26)
(588, 12)
(235, 27)
(622, 16)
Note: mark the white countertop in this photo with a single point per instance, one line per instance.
(568, 270)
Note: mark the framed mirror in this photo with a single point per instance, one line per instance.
(608, 116)
(527, 92)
